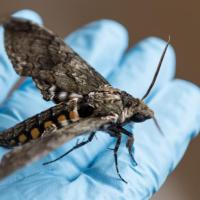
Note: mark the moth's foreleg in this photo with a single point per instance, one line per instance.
(116, 156)
(91, 136)
(129, 143)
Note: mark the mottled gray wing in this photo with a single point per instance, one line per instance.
(37, 52)
(32, 151)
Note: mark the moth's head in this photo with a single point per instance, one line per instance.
(141, 112)
(135, 109)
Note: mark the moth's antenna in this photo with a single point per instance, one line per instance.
(157, 125)
(157, 71)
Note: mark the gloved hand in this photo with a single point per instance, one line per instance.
(89, 172)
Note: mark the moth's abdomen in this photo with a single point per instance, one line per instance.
(34, 127)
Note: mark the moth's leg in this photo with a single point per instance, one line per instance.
(114, 131)
(91, 136)
(116, 158)
(129, 143)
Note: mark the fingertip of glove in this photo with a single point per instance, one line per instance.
(155, 47)
(101, 30)
(28, 14)
(187, 86)
(157, 44)
(113, 27)
(181, 99)
(193, 98)
(113, 30)
(183, 91)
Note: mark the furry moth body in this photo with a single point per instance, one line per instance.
(78, 90)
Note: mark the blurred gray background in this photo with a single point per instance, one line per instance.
(179, 18)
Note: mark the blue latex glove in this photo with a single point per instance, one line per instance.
(89, 172)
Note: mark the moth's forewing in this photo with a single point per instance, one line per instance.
(37, 52)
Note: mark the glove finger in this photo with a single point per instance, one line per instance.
(101, 43)
(177, 108)
(139, 64)
(8, 76)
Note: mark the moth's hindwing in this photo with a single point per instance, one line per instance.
(22, 155)
(56, 69)
(34, 127)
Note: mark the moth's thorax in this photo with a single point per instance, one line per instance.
(108, 100)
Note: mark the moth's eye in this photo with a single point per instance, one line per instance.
(85, 110)
(138, 117)
(129, 103)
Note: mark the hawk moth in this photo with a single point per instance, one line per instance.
(85, 101)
